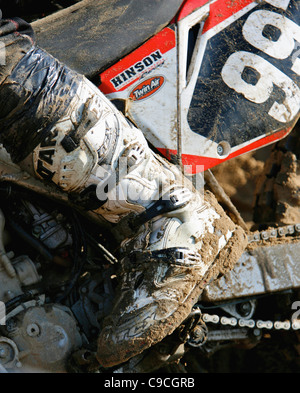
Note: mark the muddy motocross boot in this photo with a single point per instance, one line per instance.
(61, 129)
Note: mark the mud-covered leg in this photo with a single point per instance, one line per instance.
(61, 129)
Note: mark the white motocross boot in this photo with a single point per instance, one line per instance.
(173, 240)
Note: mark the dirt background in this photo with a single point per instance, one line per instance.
(238, 177)
(277, 352)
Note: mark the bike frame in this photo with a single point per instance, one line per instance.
(213, 84)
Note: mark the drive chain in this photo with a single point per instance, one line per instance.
(273, 233)
(251, 323)
(269, 234)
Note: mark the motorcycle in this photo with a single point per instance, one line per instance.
(206, 82)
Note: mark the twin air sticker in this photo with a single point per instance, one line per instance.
(146, 88)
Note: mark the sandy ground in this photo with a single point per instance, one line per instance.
(238, 177)
(277, 352)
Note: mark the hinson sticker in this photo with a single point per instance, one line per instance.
(146, 88)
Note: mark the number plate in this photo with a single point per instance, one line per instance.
(248, 85)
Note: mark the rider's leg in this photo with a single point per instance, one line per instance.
(60, 128)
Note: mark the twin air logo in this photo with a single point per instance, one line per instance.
(147, 88)
(136, 70)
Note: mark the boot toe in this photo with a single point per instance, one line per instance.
(156, 294)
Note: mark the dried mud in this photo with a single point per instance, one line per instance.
(278, 196)
(238, 178)
(108, 354)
